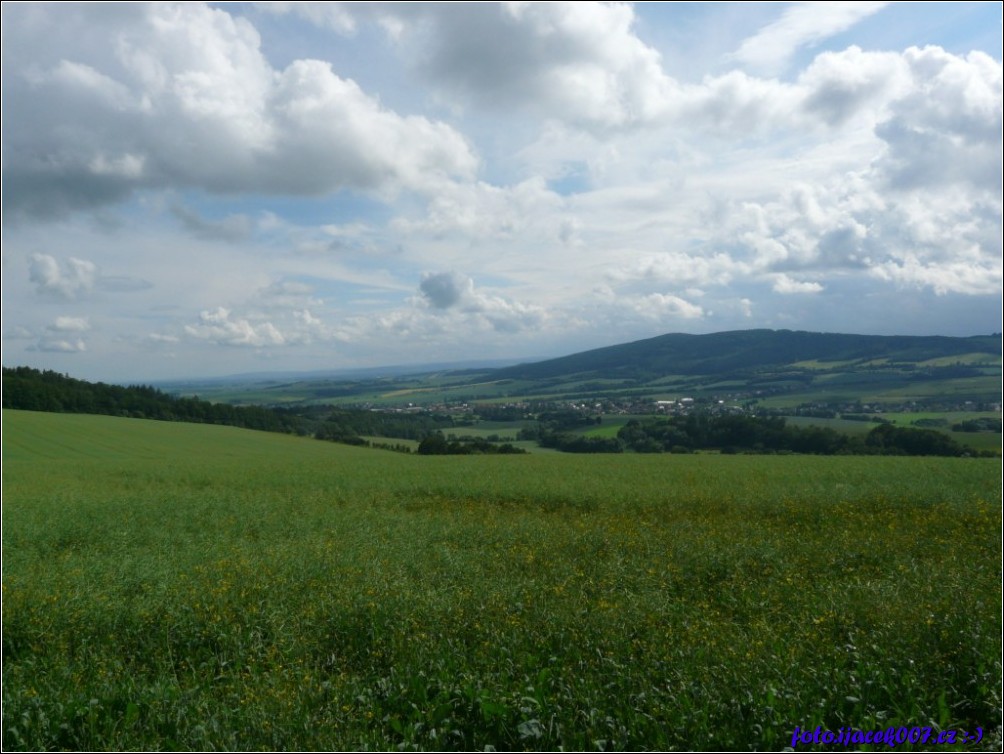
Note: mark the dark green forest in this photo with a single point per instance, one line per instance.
(771, 434)
(29, 389)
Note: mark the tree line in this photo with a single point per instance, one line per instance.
(34, 390)
(771, 434)
(437, 445)
(30, 389)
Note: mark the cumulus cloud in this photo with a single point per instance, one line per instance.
(182, 96)
(943, 278)
(76, 278)
(946, 128)
(283, 314)
(69, 280)
(61, 335)
(577, 61)
(456, 293)
(583, 64)
(785, 284)
(217, 326)
(612, 194)
(839, 85)
(659, 306)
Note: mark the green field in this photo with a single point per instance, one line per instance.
(172, 586)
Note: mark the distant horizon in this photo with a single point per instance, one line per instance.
(460, 364)
(232, 188)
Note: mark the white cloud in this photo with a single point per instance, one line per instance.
(70, 324)
(663, 307)
(739, 105)
(126, 166)
(946, 128)
(785, 284)
(335, 136)
(59, 345)
(219, 327)
(161, 338)
(541, 150)
(681, 269)
(837, 86)
(801, 25)
(482, 211)
(951, 277)
(332, 15)
(55, 337)
(74, 278)
(182, 96)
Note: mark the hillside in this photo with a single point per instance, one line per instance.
(37, 435)
(778, 370)
(747, 351)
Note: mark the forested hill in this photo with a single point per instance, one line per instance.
(747, 350)
(33, 390)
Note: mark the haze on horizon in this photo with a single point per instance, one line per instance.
(203, 189)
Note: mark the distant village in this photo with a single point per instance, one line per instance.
(638, 406)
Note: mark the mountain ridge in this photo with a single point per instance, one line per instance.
(744, 350)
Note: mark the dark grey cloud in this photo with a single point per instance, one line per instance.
(579, 62)
(445, 289)
(231, 228)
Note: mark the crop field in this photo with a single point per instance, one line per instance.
(172, 586)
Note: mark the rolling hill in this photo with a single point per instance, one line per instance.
(747, 351)
(781, 369)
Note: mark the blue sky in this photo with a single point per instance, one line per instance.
(207, 189)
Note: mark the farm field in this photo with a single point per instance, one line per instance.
(174, 586)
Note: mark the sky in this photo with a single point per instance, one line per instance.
(195, 190)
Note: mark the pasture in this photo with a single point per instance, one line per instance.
(172, 586)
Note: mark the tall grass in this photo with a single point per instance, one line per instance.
(190, 587)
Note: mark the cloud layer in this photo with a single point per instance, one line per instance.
(191, 183)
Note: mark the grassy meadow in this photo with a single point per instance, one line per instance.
(172, 586)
